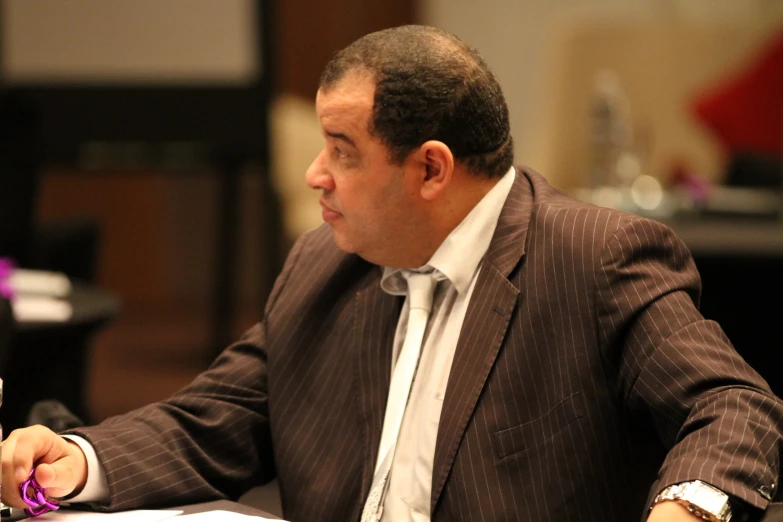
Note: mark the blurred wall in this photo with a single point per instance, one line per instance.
(144, 41)
(158, 227)
(543, 53)
(162, 256)
(310, 32)
(534, 45)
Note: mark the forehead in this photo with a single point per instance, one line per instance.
(348, 101)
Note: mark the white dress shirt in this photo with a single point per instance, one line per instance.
(96, 489)
(458, 259)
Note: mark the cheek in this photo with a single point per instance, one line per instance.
(395, 206)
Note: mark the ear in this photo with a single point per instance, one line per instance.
(438, 163)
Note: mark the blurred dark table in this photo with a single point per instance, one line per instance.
(47, 360)
(741, 266)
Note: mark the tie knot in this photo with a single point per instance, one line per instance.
(421, 288)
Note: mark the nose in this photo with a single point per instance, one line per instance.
(318, 176)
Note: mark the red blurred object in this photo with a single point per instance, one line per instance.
(746, 110)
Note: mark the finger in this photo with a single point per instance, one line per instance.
(48, 477)
(32, 444)
(11, 477)
(65, 475)
(59, 479)
(27, 447)
(7, 468)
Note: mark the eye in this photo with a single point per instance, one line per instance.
(340, 153)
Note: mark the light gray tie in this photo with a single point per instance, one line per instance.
(421, 288)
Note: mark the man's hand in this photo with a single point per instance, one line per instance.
(670, 511)
(61, 467)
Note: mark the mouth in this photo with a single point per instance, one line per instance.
(328, 213)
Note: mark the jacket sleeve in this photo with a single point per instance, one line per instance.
(716, 416)
(211, 440)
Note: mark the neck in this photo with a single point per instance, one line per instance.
(465, 192)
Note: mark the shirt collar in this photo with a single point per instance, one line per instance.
(458, 257)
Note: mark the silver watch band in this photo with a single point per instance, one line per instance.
(701, 499)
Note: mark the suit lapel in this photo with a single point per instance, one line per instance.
(491, 306)
(375, 322)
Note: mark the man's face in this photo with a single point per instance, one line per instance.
(365, 199)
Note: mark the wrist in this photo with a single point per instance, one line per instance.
(671, 511)
(95, 488)
(704, 501)
(80, 468)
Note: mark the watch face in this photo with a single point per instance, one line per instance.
(705, 496)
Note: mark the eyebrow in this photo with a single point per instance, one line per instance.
(341, 136)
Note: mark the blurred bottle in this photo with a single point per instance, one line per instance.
(612, 161)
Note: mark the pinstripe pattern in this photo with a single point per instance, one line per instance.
(582, 361)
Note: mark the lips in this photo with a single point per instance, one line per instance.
(328, 213)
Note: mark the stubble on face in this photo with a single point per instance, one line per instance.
(380, 220)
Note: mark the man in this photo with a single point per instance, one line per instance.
(564, 374)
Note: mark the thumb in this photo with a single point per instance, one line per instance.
(63, 476)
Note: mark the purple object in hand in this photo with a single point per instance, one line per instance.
(35, 496)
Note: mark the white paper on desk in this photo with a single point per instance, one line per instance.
(34, 309)
(220, 516)
(40, 282)
(122, 516)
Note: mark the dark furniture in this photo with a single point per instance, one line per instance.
(741, 265)
(218, 128)
(6, 327)
(47, 360)
(18, 175)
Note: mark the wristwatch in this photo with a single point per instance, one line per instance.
(700, 498)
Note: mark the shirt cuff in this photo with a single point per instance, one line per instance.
(96, 489)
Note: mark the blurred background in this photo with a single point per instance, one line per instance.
(155, 151)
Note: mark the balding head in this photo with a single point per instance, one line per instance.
(429, 85)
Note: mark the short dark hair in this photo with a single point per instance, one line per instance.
(429, 85)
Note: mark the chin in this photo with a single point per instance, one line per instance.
(348, 246)
(343, 243)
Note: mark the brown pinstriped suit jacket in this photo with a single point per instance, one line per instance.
(584, 381)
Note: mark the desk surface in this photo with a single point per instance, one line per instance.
(218, 505)
(225, 505)
(774, 512)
